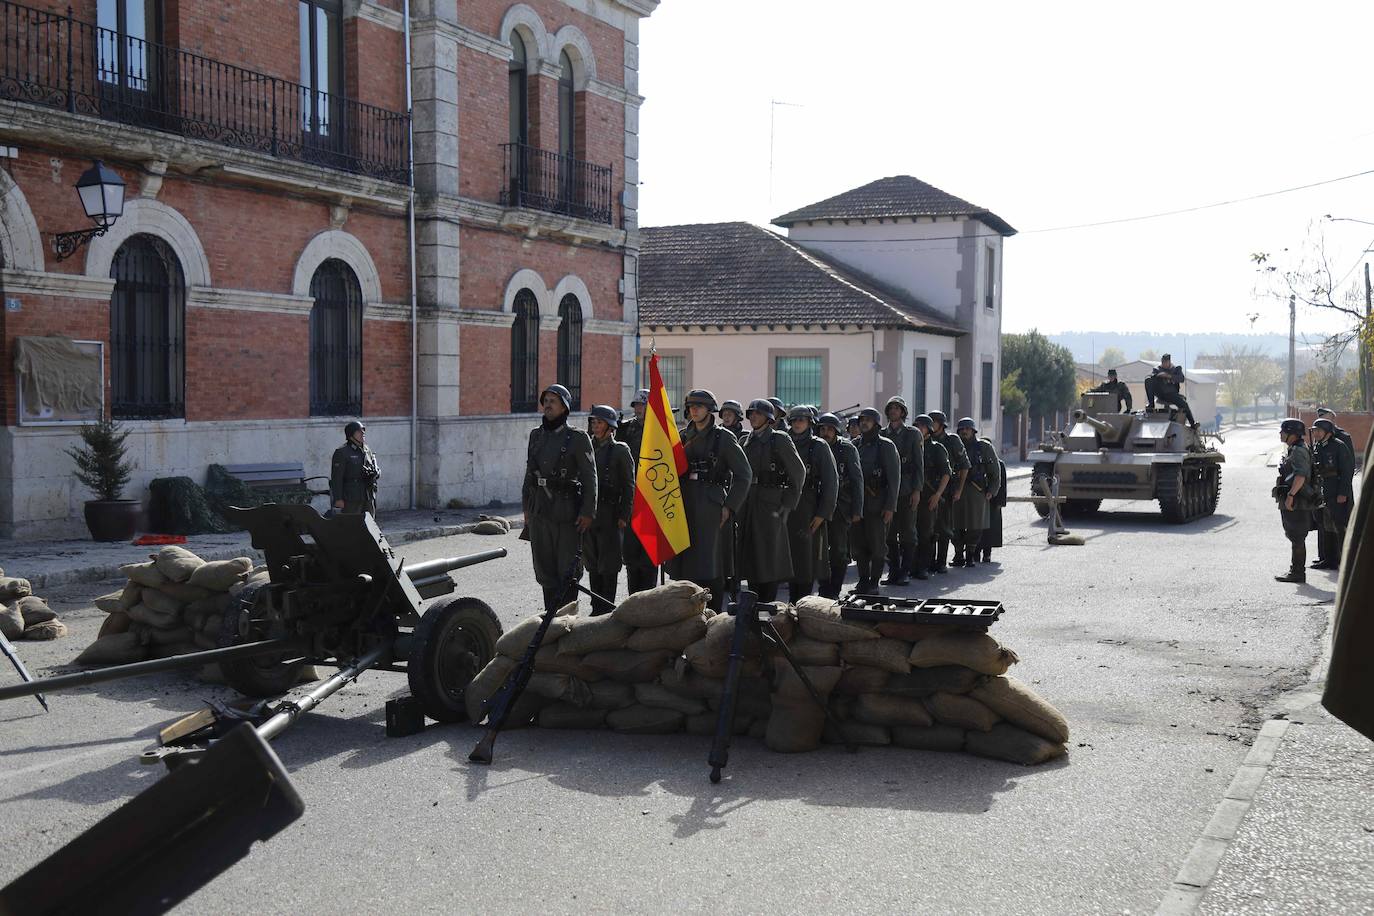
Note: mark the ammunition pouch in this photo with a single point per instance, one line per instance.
(569, 488)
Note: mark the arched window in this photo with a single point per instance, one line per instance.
(524, 354)
(567, 144)
(147, 331)
(519, 94)
(336, 341)
(570, 347)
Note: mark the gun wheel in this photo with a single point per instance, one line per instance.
(455, 639)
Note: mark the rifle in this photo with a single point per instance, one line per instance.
(844, 410)
(13, 655)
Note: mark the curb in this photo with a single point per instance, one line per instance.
(84, 574)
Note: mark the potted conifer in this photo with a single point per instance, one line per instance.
(101, 468)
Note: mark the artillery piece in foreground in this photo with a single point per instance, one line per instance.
(1149, 454)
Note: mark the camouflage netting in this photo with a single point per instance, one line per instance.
(177, 505)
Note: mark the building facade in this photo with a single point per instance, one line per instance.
(295, 250)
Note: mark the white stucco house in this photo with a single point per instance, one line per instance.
(891, 288)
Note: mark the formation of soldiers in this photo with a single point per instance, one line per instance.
(1315, 491)
(772, 496)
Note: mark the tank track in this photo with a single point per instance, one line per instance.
(1190, 491)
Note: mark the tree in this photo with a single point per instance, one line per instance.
(1112, 357)
(1330, 385)
(1248, 374)
(1044, 371)
(1013, 398)
(1149, 354)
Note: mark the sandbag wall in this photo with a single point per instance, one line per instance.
(657, 663)
(24, 615)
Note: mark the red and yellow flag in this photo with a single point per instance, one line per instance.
(659, 517)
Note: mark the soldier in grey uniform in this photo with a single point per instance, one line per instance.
(353, 473)
(849, 502)
(937, 477)
(992, 535)
(714, 489)
(901, 534)
(1114, 386)
(732, 417)
(640, 573)
(1296, 496)
(765, 558)
(602, 544)
(1333, 465)
(807, 523)
(959, 466)
(779, 414)
(970, 513)
(851, 427)
(559, 494)
(882, 477)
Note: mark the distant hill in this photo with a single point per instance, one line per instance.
(1087, 346)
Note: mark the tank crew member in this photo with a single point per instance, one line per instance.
(559, 494)
(1118, 388)
(807, 523)
(937, 477)
(353, 473)
(602, 546)
(959, 467)
(882, 474)
(1296, 497)
(849, 502)
(714, 489)
(851, 427)
(640, 574)
(1341, 434)
(969, 514)
(1163, 386)
(1333, 465)
(992, 536)
(901, 534)
(732, 417)
(765, 559)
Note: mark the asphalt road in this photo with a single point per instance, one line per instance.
(1163, 645)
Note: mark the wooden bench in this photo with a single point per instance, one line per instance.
(284, 479)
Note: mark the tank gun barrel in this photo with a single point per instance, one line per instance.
(431, 569)
(1080, 416)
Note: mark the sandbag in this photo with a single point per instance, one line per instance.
(964, 712)
(784, 621)
(666, 604)
(888, 654)
(11, 589)
(626, 666)
(610, 695)
(857, 733)
(205, 640)
(110, 603)
(500, 520)
(257, 576)
(566, 715)
(645, 720)
(675, 636)
(758, 729)
(143, 573)
(490, 526)
(915, 632)
(131, 595)
(688, 682)
(526, 707)
(889, 710)
(485, 684)
(516, 640)
(978, 651)
(720, 638)
(932, 738)
(704, 724)
(819, 618)
(788, 685)
(220, 575)
(857, 679)
(141, 613)
(45, 629)
(197, 612)
(115, 649)
(11, 621)
(808, 651)
(753, 699)
(661, 697)
(184, 592)
(34, 610)
(548, 659)
(1023, 707)
(1007, 742)
(796, 722)
(592, 634)
(117, 622)
(559, 687)
(176, 563)
(922, 682)
(162, 602)
(176, 636)
(711, 663)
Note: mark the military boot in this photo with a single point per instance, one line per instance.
(941, 564)
(1293, 575)
(958, 556)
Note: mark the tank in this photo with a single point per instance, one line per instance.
(1148, 454)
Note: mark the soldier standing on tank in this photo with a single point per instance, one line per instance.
(849, 502)
(353, 473)
(1333, 465)
(602, 544)
(937, 476)
(559, 494)
(1296, 497)
(765, 559)
(901, 534)
(1118, 388)
(959, 467)
(882, 476)
(640, 573)
(969, 514)
(807, 523)
(732, 417)
(714, 489)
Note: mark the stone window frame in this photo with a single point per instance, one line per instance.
(822, 352)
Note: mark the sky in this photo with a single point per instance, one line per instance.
(1049, 114)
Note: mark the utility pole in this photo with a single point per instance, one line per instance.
(1363, 349)
(1292, 346)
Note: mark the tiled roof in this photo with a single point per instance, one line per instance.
(738, 274)
(893, 198)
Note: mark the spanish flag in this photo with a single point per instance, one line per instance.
(659, 517)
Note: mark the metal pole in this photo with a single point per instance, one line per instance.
(414, 303)
(1364, 347)
(291, 710)
(1292, 349)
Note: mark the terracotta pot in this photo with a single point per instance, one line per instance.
(113, 519)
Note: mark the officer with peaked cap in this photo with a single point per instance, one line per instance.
(937, 478)
(1296, 495)
(1333, 466)
(959, 466)
(849, 502)
(732, 417)
(714, 489)
(901, 534)
(882, 476)
(765, 559)
(807, 523)
(602, 544)
(640, 573)
(559, 495)
(969, 514)
(353, 473)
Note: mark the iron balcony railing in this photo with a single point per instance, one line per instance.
(61, 62)
(541, 179)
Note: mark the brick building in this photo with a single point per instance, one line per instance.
(295, 250)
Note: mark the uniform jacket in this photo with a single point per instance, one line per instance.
(717, 475)
(1349, 694)
(602, 545)
(1296, 463)
(970, 511)
(353, 475)
(560, 476)
(820, 492)
(908, 442)
(882, 473)
(631, 432)
(937, 465)
(1118, 388)
(849, 502)
(778, 475)
(954, 448)
(1334, 466)
(1168, 380)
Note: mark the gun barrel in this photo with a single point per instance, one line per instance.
(1080, 416)
(444, 565)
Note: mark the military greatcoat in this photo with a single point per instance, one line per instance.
(778, 475)
(958, 461)
(810, 551)
(353, 478)
(602, 550)
(849, 501)
(882, 481)
(560, 486)
(1349, 693)
(717, 476)
(970, 511)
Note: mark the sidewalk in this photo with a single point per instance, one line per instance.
(48, 564)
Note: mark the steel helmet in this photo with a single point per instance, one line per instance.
(352, 426)
(801, 412)
(605, 412)
(966, 423)
(938, 416)
(779, 408)
(563, 394)
(761, 405)
(900, 402)
(736, 406)
(700, 396)
(641, 397)
(872, 414)
(829, 419)
(923, 419)
(1291, 427)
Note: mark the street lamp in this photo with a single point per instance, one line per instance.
(102, 197)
